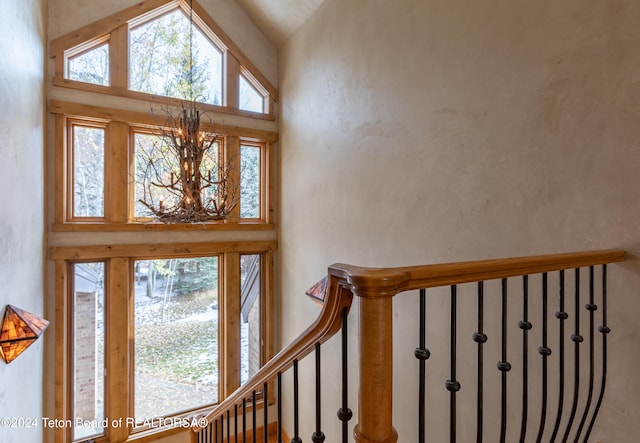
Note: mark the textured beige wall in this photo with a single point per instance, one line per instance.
(22, 49)
(421, 131)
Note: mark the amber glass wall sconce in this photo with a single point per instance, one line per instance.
(20, 329)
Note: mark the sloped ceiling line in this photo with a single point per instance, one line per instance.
(279, 19)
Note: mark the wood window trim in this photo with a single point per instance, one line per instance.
(80, 110)
(113, 29)
(118, 212)
(119, 305)
(71, 124)
(264, 213)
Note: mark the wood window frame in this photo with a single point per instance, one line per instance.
(84, 49)
(263, 212)
(71, 124)
(267, 104)
(119, 306)
(114, 29)
(118, 211)
(222, 142)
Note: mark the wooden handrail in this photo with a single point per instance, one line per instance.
(376, 288)
(326, 325)
(380, 282)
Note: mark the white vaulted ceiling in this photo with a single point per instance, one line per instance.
(278, 19)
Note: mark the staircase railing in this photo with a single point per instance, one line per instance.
(334, 313)
(574, 410)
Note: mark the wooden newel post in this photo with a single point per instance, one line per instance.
(375, 398)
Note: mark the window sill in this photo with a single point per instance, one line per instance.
(156, 433)
(151, 226)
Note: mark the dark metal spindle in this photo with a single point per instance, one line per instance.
(244, 420)
(545, 352)
(561, 316)
(452, 384)
(215, 431)
(318, 435)
(577, 339)
(422, 354)
(222, 428)
(296, 431)
(591, 307)
(235, 423)
(228, 426)
(254, 402)
(604, 330)
(503, 365)
(481, 338)
(344, 413)
(279, 407)
(265, 412)
(526, 326)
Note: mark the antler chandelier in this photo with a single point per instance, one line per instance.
(184, 177)
(186, 166)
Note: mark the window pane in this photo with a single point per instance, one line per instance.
(250, 98)
(250, 331)
(176, 335)
(155, 164)
(88, 171)
(160, 59)
(250, 181)
(88, 349)
(91, 67)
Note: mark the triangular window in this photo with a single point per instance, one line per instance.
(169, 57)
(250, 98)
(169, 50)
(90, 66)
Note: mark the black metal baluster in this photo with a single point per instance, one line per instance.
(279, 407)
(296, 431)
(545, 352)
(244, 420)
(235, 421)
(577, 339)
(604, 330)
(503, 365)
(452, 384)
(222, 428)
(422, 354)
(318, 435)
(228, 426)
(481, 338)
(526, 326)
(215, 431)
(265, 412)
(254, 415)
(344, 413)
(591, 307)
(561, 315)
